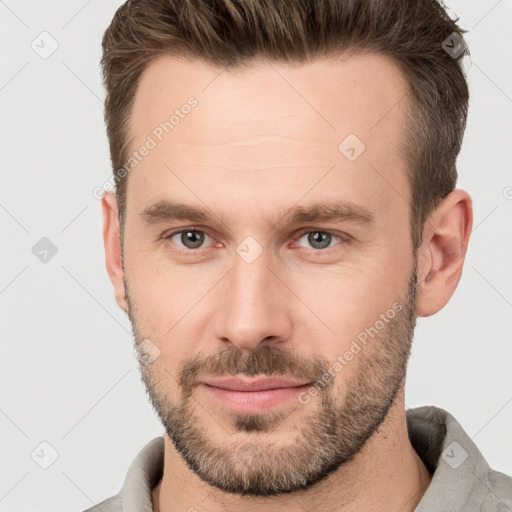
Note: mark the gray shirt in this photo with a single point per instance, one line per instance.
(462, 480)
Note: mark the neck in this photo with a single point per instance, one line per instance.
(387, 474)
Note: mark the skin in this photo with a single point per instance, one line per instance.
(261, 141)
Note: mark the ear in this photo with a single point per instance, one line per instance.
(442, 252)
(112, 241)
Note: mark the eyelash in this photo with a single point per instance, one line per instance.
(342, 236)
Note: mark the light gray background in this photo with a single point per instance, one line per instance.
(68, 374)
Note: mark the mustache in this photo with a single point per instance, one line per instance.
(268, 360)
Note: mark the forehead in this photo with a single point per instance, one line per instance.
(268, 122)
(350, 91)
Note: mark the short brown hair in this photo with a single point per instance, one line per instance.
(229, 33)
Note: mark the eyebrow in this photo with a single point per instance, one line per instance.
(339, 211)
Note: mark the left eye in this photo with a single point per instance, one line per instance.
(190, 238)
(319, 239)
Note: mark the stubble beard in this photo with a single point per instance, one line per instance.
(333, 428)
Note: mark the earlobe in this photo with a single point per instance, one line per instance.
(112, 242)
(442, 253)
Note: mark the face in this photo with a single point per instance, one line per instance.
(260, 241)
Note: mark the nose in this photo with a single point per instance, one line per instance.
(253, 305)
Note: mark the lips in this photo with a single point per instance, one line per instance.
(259, 384)
(253, 396)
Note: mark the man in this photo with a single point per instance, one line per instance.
(285, 208)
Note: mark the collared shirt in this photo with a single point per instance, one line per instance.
(462, 480)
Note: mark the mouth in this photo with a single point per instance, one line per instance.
(254, 395)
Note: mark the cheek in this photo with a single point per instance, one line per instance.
(167, 310)
(346, 303)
